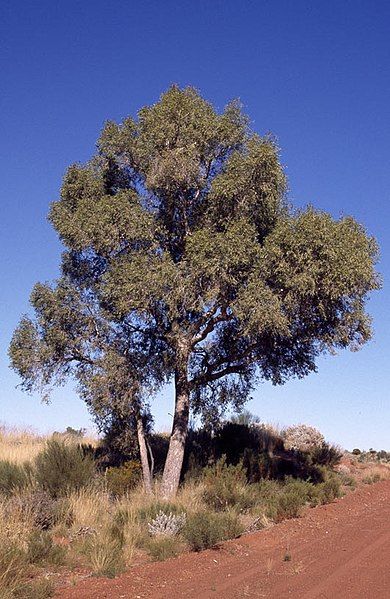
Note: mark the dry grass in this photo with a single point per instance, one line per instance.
(19, 446)
(23, 445)
(89, 509)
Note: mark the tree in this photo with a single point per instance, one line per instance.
(184, 256)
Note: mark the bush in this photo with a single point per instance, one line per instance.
(326, 455)
(207, 529)
(166, 525)
(13, 477)
(41, 549)
(356, 451)
(302, 437)
(290, 504)
(225, 486)
(123, 478)
(162, 548)
(61, 468)
(329, 490)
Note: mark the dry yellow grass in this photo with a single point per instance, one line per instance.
(90, 509)
(23, 445)
(20, 446)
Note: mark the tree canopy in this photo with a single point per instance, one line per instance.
(185, 262)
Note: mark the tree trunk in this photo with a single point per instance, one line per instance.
(146, 473)
(174, 460)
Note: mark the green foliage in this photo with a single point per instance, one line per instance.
(162, 548)
(206, 529)
(213, 279)
(13, 477)
(61, 468)
(330, 489)
(224, 486)
(290, 504)
(123, 478)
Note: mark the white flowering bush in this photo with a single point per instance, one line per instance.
(166, 525)
(302, 437)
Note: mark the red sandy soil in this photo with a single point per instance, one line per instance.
(336, 551)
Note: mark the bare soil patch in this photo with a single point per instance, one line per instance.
(336, 550)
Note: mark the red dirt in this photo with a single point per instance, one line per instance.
(340, 550)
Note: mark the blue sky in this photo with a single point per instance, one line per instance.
(316, 74)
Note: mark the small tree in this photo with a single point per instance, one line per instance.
(185, 263)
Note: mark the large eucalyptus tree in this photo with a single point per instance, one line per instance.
(184, 262)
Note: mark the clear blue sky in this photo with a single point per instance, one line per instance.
(316, 74)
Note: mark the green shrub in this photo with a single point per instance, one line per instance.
(356, 451)
(61, 468)
(329, 490)
(41, 549)
(12, 477)
(225, 486)
(290, 504)
(207, 529)
(123, 478)
(162, 548)
(302, 488)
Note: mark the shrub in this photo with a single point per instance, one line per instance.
(13, 477)
(41, 549)
(302, 437)
(329, 490)
(61, 468)
(207, 529)
(326, 455)
(162, 548)
(123, 478)
(356, 451)
(290, 504)
(225, 486)
(166, 524)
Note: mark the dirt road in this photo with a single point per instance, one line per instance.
(336, 551)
